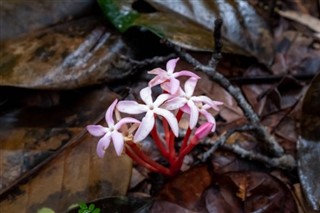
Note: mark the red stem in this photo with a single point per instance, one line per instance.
(185, 139)
(163, 150)
(145, 160)
(172, 151)
(183, 152)
(166, 130)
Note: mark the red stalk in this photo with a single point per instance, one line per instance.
(154, 166)
(163, 150)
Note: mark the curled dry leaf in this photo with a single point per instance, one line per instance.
(309, 144)
(74, 54)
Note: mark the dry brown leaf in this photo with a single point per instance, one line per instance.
(302, 18)
(78, 174)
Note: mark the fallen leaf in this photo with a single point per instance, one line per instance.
(312, 22)
(69, 55)
(77, 174)
(190, 23)
(309, 144)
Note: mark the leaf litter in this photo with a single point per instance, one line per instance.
(227, 181)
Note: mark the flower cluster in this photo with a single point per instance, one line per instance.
(168, 107)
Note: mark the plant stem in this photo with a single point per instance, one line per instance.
(155, 136)
(140, 157)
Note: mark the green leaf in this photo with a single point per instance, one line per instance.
(119, 13)
(45, 210)
(83, 205)
(96, 211)
(91, 207)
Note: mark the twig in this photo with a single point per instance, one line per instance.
(222, 139)
(216, 56)
(286, 162)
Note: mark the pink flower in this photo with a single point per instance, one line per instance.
(193, 105)
(110, 133)
(150, 108)
(203, 130)
(163, 76)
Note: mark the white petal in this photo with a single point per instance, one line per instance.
(118, 143)
(109, 113)
(146, 95)
(96, 130)
(103, 144)
(171, 65)
(170, 118)
(131, 107)
(174, 103)
(157, 71)
(194, 114)
(186, 73)
(174, 85)
(145, 127)
(125, 121)
(189, 86)
(160, 99)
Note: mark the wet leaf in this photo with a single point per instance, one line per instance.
(186, 189)
(309, 144)
(77, 174)
(18, 16)
(160, 206)
(257, 192)
(190, 23)
(70, 55)
(30, 133)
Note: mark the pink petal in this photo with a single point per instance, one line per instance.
(160, 99)
(203, 130)
(189, 86)
(103, 144)
(186, 73)
(174, 103)
(109, 113)
(118, 143)
(125, 121)
(185, 109)
(173, 123)
(146, 95)
(157, 71)
(145, 127)
(194, 114)
(131, 107)
(165, 86)
(171, 64)
(208, 101)
(157, 80)
(96, 130)
(174, 85)
(209, 118)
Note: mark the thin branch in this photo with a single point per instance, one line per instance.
(222, 139)
(286, 162)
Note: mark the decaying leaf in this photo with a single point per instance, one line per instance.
(19, 16)
(309, 144)
(76, 175)
(71, 55)
(37, 124)
(190, 23)
(305, 19)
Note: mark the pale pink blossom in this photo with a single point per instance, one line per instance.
(169, 76)
(110, 132)
(151, 108)
(203, 130)
(193, 105)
